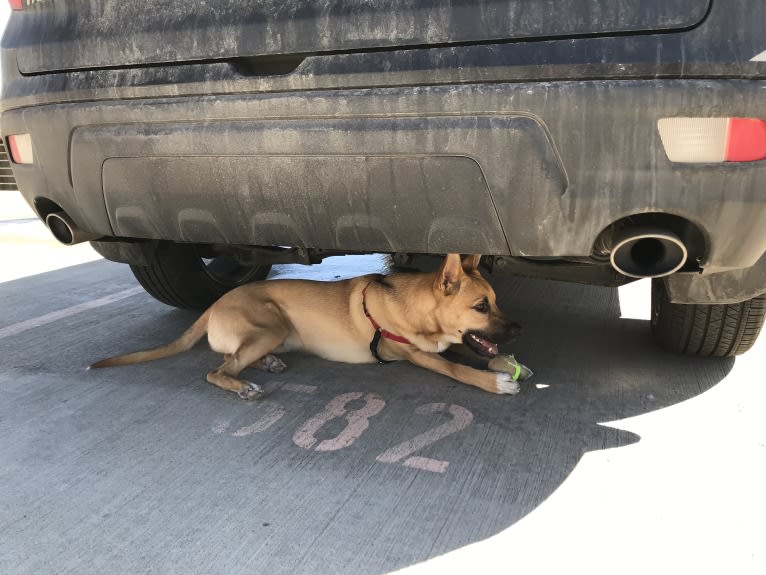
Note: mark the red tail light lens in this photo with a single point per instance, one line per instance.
(17, 4)
(747, 140)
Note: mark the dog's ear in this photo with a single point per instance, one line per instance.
(450, 274)
(471, 263)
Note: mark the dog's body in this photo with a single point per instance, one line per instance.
(418, 315)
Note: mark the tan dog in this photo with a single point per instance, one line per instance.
(404, 316)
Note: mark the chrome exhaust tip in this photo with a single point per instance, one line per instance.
(66, 231)
(647, 253)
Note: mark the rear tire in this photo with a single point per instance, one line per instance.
(178, 276)
(705, 330)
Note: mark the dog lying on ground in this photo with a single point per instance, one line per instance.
(403, 316)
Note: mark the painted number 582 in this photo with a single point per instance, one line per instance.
(357, 420)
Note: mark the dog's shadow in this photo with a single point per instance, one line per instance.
(591, 367)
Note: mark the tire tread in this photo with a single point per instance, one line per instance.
(706, 330)
(176, 277)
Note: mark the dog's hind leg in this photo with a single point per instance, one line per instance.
(249, 353)
(270, 363)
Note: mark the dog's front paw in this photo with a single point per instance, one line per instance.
(506, 385)
(250, 391)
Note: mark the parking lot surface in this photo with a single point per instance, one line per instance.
(616, 457)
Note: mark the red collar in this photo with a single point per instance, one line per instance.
(376, 326)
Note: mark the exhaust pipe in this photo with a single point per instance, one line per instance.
(66, 231)
(647, 252)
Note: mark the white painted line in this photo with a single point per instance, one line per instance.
(426, 464)
(274, 412)
(299, 387)
(220, 427)
(272, 386)
(760, 57)
(23, 326)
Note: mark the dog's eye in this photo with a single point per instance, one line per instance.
(482, 307)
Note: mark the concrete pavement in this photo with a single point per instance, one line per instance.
(616, 457)
(13, 207)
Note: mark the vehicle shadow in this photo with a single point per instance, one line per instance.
(153, 459)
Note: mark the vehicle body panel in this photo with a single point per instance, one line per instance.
(523, 136)
(80, 34)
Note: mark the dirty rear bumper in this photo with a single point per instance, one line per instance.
(523, 169)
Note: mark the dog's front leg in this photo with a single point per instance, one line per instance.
(461, 353)
(486, 380)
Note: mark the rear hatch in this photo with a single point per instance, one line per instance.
(56, 35)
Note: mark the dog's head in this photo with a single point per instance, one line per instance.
(467, 309)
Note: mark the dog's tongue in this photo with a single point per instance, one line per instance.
(487, 346)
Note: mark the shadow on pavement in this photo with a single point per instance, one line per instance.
(148, 468)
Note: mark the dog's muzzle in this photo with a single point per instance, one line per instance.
(480, 344)
(485, 343)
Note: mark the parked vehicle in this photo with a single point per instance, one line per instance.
(595, 141)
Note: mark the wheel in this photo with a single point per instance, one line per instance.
(179, 276)
(705, 330)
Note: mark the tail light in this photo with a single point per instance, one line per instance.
(713, 140)
(16, 4)
(20, 148)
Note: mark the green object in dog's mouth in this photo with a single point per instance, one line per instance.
(480, 344)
